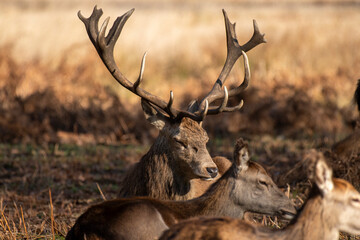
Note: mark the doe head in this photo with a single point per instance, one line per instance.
(255, 190)
(339, 197)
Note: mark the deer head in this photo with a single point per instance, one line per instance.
(181, 136)
(186, 146)
(254, 190)
(340, 199)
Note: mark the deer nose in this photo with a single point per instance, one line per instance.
(213, 171)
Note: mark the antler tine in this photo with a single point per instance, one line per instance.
(256, 39)
(169, 105)
(223, 107)
(138, 81)
(246, 81)
(226, 98)
(205, 111)
(101, 40)
(234, 51)
(91, 24)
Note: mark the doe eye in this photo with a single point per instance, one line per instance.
(356, 200)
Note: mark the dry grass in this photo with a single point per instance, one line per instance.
(50, 187)
(81, 176)
(300, 95)
(43, 201)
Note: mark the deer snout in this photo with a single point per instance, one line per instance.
(206, 170)
(213, 171)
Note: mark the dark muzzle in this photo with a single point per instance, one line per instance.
(212, 171)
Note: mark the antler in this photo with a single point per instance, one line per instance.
(105, 47)
(234, 51)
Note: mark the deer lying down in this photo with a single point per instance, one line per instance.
(333, 206)
(178, 166)
(244, 187)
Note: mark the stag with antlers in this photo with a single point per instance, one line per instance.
(178, 162)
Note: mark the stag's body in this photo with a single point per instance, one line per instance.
(333, 206)
(178, 162)
(244, 187)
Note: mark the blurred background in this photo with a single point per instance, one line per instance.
(52, 79)
(66, 124)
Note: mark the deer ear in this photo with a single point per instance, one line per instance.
(155, 117)
(323, 177)
(241, 154)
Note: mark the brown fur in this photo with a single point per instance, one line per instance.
(328, 211)
(200, 186)
(237, 191)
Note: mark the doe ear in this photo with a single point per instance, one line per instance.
(155, 117)
(323, 177)
(241, 154)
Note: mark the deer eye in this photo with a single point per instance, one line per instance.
(263, 183)
(181, 143)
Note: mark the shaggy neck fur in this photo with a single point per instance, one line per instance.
(154, 176)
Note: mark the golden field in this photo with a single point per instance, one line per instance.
(66, 125)
(186, 42)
